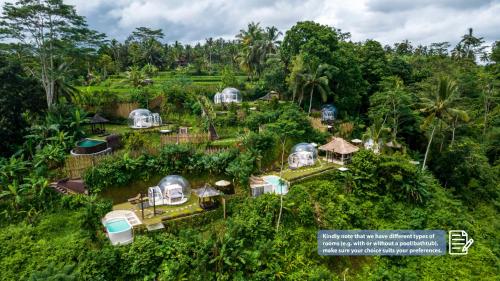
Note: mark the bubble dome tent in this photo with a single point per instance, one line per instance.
(228, 95)
(171, 190)
(143, 118)
(302, 154)
(328, 113)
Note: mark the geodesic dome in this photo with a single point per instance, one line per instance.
(328, 113)
(143, 118)
(228, 95)
(302, 154)
(171, 190)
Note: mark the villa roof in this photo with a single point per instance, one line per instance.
(206, 191)
(257, 180)
(339, 145)
(98, 119)
(269, 96)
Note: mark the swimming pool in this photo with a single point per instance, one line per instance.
(119, 231)
(117, 225)
(89, 146)
(280, 185)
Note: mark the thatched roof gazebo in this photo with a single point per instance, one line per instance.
(206, 196)
(97, 122)
(338, 150)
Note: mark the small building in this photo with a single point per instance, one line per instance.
(171, 190)
(228, 95)
(97, 123)
(302, 154)
(328, 113)
(268, 184)
(272, 95)
(206, 197)
(143, 118)
(339, 150)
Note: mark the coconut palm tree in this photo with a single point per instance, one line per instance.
(312, 78)
(438, 106)
(316, 80)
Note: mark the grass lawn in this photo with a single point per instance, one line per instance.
(169, 212)
(292, 175)
(152, 134)
(225, 142)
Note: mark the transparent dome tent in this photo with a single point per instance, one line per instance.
(328, 113)
(171, 190)
(228, 95)
(143, 118)
(302, 154)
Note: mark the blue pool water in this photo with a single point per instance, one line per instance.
(280, 188)
(117, 225)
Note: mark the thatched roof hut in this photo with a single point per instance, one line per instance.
(338, 150)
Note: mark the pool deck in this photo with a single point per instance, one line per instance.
(167, 212)
(293, 175)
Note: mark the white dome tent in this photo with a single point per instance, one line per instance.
(172, 190)
(143, 118)
(228, 95)
(302, 154)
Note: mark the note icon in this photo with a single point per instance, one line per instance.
(459, 242)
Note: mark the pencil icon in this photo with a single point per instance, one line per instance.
(459, 242)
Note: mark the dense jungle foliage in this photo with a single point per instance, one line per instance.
(437, 105)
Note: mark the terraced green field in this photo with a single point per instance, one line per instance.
(118, 83)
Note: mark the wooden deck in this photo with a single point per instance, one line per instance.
(167, 212)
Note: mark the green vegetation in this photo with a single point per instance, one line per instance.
(432, 116)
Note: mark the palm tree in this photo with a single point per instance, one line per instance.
(251, 54)
(135, 76)
(62, 87)
(376, 133)
(310, 77)
(316, 80)
(438, 106)
(469, 46)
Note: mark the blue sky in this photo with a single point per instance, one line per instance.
(388, 21)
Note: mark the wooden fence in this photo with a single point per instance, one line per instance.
(121, 109)
(214, 150)
(75, 166)
(183, 138)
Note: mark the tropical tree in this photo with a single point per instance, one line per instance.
(469, 47)
(250, 52)
(311, 78)
(145, 46)
(391, 103)
(20, 96)
(316, 81)
(438, 106)
(257, 45)
(47, 31)
(285, 127)
(135, 77)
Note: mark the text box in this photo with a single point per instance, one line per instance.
(381, 242)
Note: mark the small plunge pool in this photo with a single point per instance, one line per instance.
(280, 185)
